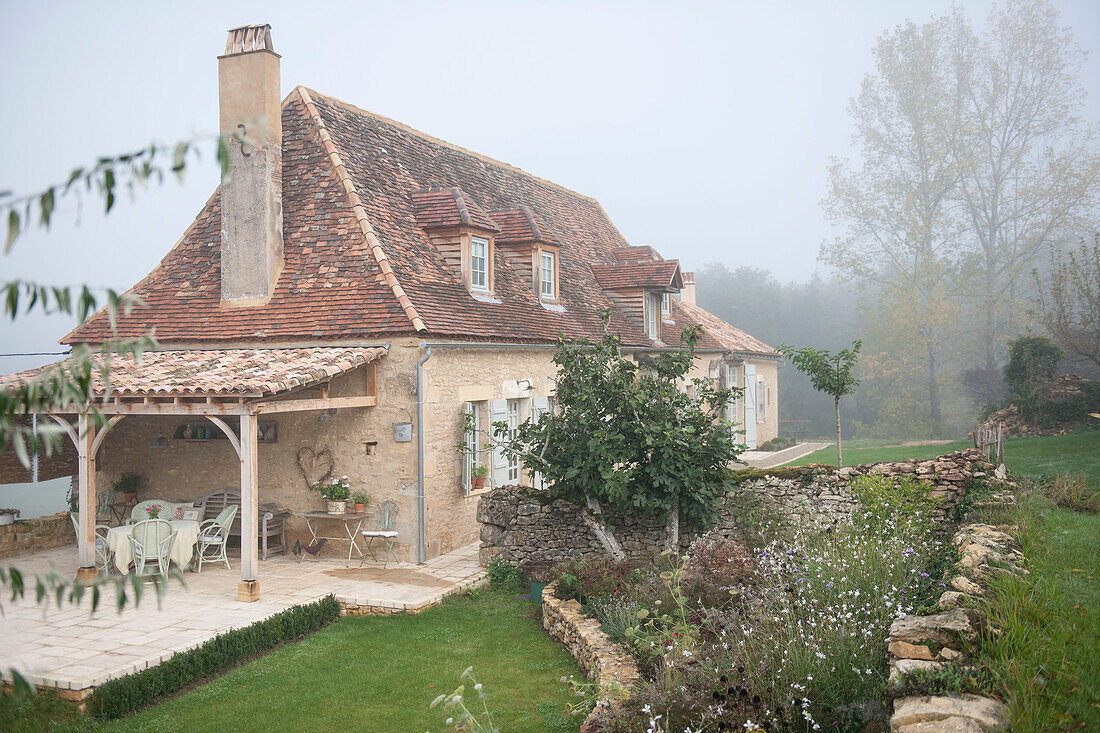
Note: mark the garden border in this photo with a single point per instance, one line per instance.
(600, 659)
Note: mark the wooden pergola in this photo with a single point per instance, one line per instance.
(222, 386)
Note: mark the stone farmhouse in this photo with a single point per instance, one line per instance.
(349, 294)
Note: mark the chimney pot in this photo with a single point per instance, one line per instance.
(687, 295)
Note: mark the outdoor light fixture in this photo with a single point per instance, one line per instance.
(326, 415)
(160, 441)
(529, 386)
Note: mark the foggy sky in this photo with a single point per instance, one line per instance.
(702, 128)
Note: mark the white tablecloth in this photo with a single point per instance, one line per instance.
(187, 531)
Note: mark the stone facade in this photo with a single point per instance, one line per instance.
(523, 524)
(33, 535)
(600, 659)
(361, 441)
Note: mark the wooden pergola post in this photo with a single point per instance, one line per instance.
(85, 435)
(248, 589)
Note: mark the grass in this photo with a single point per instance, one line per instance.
(1046, 653)
(1075, 453)
(367, 673)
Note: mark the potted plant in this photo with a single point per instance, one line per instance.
(360, 499)
(477, 477)
(153, 510)
(8, 516)
(537, 573)
(335, 493)
(129, 483)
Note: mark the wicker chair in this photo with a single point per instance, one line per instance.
(102, 549)
(150, 540)
(214, 537)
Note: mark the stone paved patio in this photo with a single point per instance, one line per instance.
(71, 648)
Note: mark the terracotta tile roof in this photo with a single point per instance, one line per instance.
(638, 253)
(522, 225)
(726, 335)
(359, 265)
(630, 275)
(449, 207)
(251, 372)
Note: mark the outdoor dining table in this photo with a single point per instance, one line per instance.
(347, 519)
(187, 532)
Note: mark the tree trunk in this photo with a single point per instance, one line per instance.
(839, 455)
(672, 527)
(933, 390)
(594, 519)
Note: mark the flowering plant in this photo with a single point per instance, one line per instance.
(153, 510)
(336, 490)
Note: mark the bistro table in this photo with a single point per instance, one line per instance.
(187, 532)
(347, 519)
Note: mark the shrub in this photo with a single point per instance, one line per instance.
(715, 566)
(776, 444)
(124, 695)
(1072, 491)
(616, 614)
(503, 575)
(885, 498)
(592, 578)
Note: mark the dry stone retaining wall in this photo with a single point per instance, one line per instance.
(942, 639)
(521, 524)
(33, 535)
(599, 658)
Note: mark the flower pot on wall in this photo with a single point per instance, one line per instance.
(337, 507)
(360, 508)
(477, 483)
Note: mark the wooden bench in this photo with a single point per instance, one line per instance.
(271, 523)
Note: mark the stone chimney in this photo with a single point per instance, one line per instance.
(687, 295)
(252, 198)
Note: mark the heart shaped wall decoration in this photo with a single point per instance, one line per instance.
(315, 466)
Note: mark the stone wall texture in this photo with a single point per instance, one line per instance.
(33, 535)
(521, 524)
(942, 638)
(600, 659)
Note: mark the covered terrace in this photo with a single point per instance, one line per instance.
(231, 388)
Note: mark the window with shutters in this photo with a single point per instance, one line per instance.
(539, 407)
(474, 439)
(666, 309)
(730, 383)
(763, 397)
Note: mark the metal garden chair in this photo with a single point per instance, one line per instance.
(140, 511)
(214, 537)
(387, 519)
(151, 540)
(103, 505)
(102, 549)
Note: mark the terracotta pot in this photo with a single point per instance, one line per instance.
(360, 508)
(477, 483)
(130, 497)
(337, 507)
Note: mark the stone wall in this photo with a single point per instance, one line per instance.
(600, 659)
(522, 524)
(943, 638)
(33, 535)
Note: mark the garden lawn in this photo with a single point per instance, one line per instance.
(1074, 453)
(1047, 656)
(370, 673)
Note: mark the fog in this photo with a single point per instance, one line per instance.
(703, 128)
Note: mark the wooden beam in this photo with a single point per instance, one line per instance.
(85, 545)
(103, 433)
(228, 433)
(183, 408)
(248, 589)
(371, 376)
(268, 408)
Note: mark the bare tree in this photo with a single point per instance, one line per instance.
(1030, 165)
(1068, 300)
(899, 231)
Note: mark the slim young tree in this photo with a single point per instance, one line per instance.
(829, 373)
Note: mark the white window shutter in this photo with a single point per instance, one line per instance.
(498, 412)
(539, 407)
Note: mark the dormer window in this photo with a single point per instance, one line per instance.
(546, 277)
(666, 309)
(479, 263)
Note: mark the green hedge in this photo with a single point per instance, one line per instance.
(126, 694)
